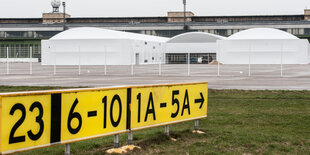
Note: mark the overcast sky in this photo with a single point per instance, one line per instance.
(128, 8)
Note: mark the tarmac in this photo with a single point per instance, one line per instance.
(247, 77)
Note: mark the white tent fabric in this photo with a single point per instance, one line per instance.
(263, 46)
(99, 33)
(195, 37)
(193, 42)
(261, 33)
(95, 46)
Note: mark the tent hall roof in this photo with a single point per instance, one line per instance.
(261, 33)
(99, 33)
(195, 37)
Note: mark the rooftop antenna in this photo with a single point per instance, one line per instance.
(55, 4)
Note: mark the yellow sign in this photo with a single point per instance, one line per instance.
(93, 113)
(25, 121)
(39, 119)
(158, 105)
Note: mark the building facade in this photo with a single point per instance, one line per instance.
(19, 35)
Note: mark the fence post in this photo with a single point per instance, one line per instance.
(105, 61)
(54, 63)
(188, 64)
(218, 59)
(7, 60)
(79, 61)
(250, 51)
(30, 69)
(105, 69)
(281, 60)
(132, 56)
(159, 69)
(67, 149)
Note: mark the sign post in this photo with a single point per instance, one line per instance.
(130, 138)
(39, 119)
(196, 126)
(167, 130)
(116, 141)
(67, 149)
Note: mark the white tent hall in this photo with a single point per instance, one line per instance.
(96, 46)
(198, 44)
(263, 46)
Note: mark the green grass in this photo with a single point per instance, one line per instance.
(4, 89)
(239, 122)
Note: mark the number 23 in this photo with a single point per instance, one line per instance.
(31, 135)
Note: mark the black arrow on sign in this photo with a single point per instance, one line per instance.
(201, 100)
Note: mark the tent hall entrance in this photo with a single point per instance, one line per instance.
(195, 58)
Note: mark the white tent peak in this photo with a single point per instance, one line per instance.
(195, 37)
(100, 33)
(261, 33)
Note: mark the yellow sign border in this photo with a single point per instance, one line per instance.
(0, 122)
(46, 92)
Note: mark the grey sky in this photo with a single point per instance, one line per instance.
(127, 8)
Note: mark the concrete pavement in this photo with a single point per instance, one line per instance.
(295, 77)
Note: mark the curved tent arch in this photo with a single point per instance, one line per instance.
(261, 33)
(100, 33)
(263, 46)
(199, 46)
(195, 37)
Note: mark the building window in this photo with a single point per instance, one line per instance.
(301, 31)
(2, 51)
(36, 51)
(229, 32)
(289, 30)
(17, 50)
(12, 50)
(22, 50)
(222, 32)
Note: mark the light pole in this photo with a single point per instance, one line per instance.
(184, 3)
(64, 15)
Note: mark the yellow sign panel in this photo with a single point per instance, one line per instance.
(93, 113)
(25, 121)
(39, 119)
(160, 105)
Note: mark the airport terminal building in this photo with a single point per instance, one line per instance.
(19, 35)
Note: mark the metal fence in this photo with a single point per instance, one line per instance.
(252, 70)
(188, 65)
